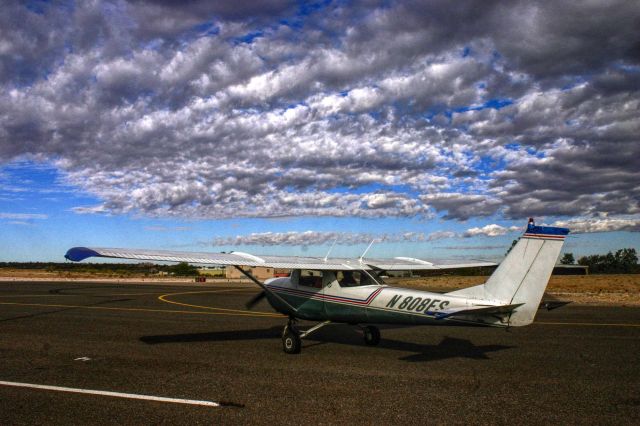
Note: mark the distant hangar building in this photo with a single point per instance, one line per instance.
(260, 272)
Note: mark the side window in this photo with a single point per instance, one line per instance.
(354, 278)
(309, 278)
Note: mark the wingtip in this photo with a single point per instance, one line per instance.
(77, 254)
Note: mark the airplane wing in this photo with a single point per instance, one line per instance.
(238, 258)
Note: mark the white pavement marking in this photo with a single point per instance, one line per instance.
(114, 394)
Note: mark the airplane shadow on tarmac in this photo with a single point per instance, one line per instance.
(214, 336)
(448, 347)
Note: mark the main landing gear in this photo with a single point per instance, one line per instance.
(371, 335)
(292, 338)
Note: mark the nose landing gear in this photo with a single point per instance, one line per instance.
(291, 341)
(292, 338)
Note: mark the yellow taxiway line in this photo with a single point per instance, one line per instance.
(106, 308)
(238, 312)
(78, 295)
(164, 297)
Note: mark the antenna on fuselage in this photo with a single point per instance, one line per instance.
(329, 252)
(365, 252)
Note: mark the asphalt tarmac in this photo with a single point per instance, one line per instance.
(576, 364)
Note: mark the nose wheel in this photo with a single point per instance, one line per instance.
(371, 335)
(291, 342)
(292, 338)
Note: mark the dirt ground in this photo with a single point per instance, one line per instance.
(623, 290)
(588, 289)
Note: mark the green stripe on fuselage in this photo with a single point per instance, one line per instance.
(308, 308)
(323, 310)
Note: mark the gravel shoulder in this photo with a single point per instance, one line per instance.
(606, 290)
(620, 290)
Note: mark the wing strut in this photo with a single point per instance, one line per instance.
(329, 252)
(265, 288)
(365, 252)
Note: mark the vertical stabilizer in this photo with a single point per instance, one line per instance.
(524, 274)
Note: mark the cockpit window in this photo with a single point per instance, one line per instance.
(355, 278)
(310, 278)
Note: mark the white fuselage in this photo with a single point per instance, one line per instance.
(378, 304)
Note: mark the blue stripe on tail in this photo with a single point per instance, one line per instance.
(546, 230)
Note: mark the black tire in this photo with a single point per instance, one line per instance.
(291, 342)
(371, 335)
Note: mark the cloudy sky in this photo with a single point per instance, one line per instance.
(435, 127)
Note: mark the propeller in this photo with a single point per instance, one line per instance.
(255, 299)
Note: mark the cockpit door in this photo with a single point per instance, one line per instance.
(346, 296)
(308, 293)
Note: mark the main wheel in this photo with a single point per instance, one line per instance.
(371, 335)
(291, 342)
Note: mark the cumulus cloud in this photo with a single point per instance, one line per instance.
(305, 238)
(579, 226)
(492, 230)
(439, 235)
(167, 228)
(236, 109)
(462, 206)
(23, 216)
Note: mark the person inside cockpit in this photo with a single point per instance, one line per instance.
(347, 279)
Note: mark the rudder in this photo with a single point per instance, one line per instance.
(523, 275)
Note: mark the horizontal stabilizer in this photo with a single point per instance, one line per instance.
(483, 310)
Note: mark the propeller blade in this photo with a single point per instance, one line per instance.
(255, 299)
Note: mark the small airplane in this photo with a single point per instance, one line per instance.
(339, 290)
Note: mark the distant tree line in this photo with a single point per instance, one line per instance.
(181, 269)
(623, 261)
